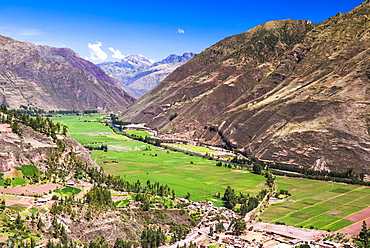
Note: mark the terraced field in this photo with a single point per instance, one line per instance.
(317, 204)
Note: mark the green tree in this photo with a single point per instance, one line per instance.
(237, 226)
(257, 168)
(364, 235)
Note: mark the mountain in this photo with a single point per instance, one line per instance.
(139, 74)
(55, 79)
(285, 91)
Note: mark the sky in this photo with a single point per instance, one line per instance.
(109, 30)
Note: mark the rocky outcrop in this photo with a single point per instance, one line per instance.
(285, 91)
(55, 79)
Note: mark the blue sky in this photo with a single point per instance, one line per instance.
(99, 30)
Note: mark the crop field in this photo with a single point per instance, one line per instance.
(138, 133)
(68, 191)
(192, 148)
(313, 204)
(87, 129)
(28, 170)
(200, 177)
(317, 204)
(134, 160)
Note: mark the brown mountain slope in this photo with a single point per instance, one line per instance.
(280, 91)
(54, 79)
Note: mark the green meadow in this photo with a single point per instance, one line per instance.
(138, 133)
(68, 191)
(317, 204)
(313, 204)
(200, 177)
(192, 148)
(134, 160)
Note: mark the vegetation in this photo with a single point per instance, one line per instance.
(364, 236)
(318, 204)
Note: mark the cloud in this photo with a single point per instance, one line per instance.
(30, 32)
(116, 53)
(96, 53)
(18, 32)
(180, 31)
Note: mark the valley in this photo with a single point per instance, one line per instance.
(179, 179)
(260, 140)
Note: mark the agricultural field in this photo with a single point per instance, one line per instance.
(68, 191)
(197, 149)
(138, 133)
(88, 130)
(134, 160)
(317, 204)
(313, 204)
(200, 177)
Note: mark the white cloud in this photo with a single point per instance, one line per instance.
(116, 53)
(30, 32)
(96, 53)
(180, 31)
(19, 33)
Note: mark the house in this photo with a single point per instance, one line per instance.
(70, 183)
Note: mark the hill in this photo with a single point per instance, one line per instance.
(52, 78)
(285, 91)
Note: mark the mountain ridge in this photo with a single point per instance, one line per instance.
(285, 91)
(138, 74)
(54, 79)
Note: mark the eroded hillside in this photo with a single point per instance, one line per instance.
(285, 91)
(55, 79)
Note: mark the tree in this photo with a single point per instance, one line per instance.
(257, 168)
(364, 235)
(230, 198)
(8, 181)
(237, 226)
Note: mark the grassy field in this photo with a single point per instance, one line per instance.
(28, 170)
(138, 133)
(134, 160)
(68, 191)
(88, 130)
(317, 204)
(193, 148)
(198, 176)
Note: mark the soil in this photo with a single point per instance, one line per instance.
(32, 190)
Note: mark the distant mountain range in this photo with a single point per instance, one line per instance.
(138, 75)
(52, 78)
(285, 91)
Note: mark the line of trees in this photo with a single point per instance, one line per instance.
(39, 124)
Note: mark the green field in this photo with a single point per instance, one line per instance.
(88, 130)
(68, 191)
(138, 133)
(193, 148)
(28, 170)
(317, 204)
(134, 160)
(200, 177)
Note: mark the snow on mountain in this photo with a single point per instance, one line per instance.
(138, 74)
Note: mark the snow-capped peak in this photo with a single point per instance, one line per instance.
(138, 60)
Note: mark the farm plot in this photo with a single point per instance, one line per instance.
(68, 191)
(200, 177)
(317, 204)
(134, 160)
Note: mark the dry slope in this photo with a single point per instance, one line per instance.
(54, 79)
(287, 91)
